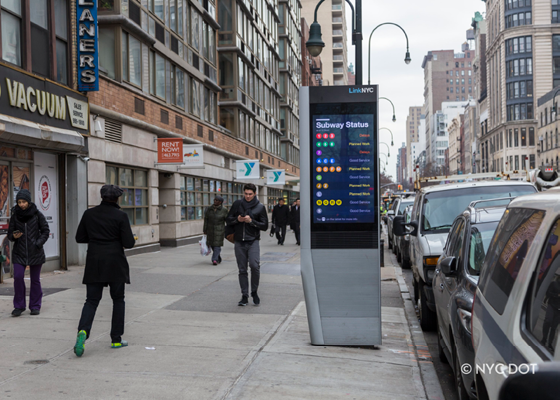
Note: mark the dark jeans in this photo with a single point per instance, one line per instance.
(35, 292)
(248, 253)
(296, 230)
(216, 251)
(94, 294)
(281, 233)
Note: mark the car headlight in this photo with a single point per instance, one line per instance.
(465, 318)
(431, 261)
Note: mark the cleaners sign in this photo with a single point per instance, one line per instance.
(88, 66)
(170, 151)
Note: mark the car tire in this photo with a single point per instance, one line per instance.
(405, 263)
(394, 246)
(415, 287)
(428, 318)
(462, 393)
(389, 245)
(399, 257)
(441, 354)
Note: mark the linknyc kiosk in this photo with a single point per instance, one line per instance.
(340, 251)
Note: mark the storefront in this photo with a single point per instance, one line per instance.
(41, 123)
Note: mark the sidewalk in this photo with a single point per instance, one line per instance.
(189, 339)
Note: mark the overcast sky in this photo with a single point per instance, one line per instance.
(430, 25)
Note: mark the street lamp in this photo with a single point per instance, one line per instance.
(407, 58)
(388, 149)
(394, 118)
(554, 104)
(315, 44)
(392, 143)
(386, 158)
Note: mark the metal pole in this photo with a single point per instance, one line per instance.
(358, 34)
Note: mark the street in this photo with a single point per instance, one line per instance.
(189, 338)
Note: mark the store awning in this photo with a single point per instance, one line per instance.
(32, 134)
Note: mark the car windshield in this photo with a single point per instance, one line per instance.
(481, 236)
(403, 205)
(442, 207)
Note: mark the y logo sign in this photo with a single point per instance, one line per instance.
(277, 175)
(249, 168)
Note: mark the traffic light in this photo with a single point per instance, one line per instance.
(400, 187)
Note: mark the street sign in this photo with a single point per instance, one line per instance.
(248, 169)
(275, 177)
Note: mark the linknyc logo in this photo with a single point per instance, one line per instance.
(361, 90)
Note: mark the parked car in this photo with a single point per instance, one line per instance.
(402, 243)
(397, 208)
(434, 211)
(516, 311)
(455, 281)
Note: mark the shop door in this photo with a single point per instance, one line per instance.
(5, 209)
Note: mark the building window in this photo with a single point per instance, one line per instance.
(11, 32)
(131, 59)
(134, 201)
(157, 75)
(107, 51)
(195, 97)
(197, 194)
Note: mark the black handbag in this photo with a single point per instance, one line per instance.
(272, 230)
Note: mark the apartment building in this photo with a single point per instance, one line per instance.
(481, 89)
(448, 76)
(548, 145)
(412, 134)
(332, 18)
(523, 40)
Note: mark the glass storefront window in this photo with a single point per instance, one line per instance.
(134, 201)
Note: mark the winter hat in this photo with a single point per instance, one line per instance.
(111, 192)
(24, 194)
(219, 198)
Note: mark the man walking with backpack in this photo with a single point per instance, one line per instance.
(248, 217)
(280, 218)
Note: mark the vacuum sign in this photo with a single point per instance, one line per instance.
(88, 71)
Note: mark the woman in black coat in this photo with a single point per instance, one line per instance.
(29, 231)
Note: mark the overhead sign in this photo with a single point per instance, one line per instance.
(38, 100)
(88, 64)
(275, 177)
(170, 151)
(193, 156)
(248, 169)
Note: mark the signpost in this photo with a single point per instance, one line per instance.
(340, 249)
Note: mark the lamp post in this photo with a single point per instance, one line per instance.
(392, 143)
(385, 98)
(315, 44)
(388, 149)
(554, 104)
(386, 158)
(407, 58)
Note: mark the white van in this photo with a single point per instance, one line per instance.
(516, 311)
(435, 209)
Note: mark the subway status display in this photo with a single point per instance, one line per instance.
(343, 165)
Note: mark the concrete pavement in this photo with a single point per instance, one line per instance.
(189, 339)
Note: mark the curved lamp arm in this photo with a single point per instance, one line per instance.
(407, 56)
(317, 9)
(392, 140)
(554, 105)
(388, 150)
(386, 158)
(394, 118)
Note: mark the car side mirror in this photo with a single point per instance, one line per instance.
(414, 225)
(449, 266)
(540, 382)
(391, 212)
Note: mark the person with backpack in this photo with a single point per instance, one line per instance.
(29, 230)
(248, 217)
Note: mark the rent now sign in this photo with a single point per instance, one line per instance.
(88, 65)
(170, 151)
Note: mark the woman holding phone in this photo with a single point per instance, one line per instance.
(29, 231)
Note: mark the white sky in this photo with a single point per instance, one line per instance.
(430, 25)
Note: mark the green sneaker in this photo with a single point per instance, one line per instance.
(80, 343)
(123, 343)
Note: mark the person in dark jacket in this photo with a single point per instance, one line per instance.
(29, 231)
(294, 220)
(248, 217)
(107, 231)
(215, 228)
(280, 218)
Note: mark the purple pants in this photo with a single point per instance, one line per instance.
(35, 293)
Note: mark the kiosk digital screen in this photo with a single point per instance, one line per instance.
(343, 165)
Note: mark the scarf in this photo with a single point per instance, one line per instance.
(27, 214)
(248, 205)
